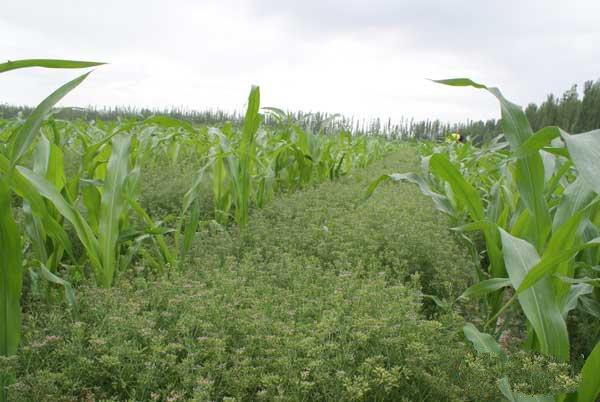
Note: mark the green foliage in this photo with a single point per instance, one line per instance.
(308, 302)
(11, 272)
(11, 266)
(536, 199)
(46, 63)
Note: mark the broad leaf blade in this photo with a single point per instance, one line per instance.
(589, 390)
(538, 302)
(11, 272)
(463, 190)
(585, 153)
(46, 63)
(483, 343)
(485, 287)
(112, 205)
(30, 128)
(537, 141)
(84, 232)
(11, 278)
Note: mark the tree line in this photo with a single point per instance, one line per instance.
(573, 112)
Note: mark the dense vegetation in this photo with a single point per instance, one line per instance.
(534, 198)
(318, 298)
(156, 259)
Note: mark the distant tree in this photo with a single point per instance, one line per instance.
(589, 115)
(531, 111)
(548, 112)
(568, 110)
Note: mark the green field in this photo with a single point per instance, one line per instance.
(153, 259)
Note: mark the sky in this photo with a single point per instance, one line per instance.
(359, 58)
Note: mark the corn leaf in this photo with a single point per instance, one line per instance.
(585, 153)
(551, 260)
(538, 302)
(112, 206)
(483, 343)
(589, 388)
(576, 291)
(575, 197)
(83, 230)
(484, 287)
(463, 190)
(30, 128)
(53, 278)
(537, 141)
(46, 63)
(11, 278)
(529, 172)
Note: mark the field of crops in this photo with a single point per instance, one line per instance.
(156, 259)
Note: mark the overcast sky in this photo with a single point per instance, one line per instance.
(363, 58)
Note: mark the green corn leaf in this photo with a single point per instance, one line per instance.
(463, 190)
(91, 200)
(563, 238)
(555, 180)
(35, 203)
(589, 388)
(558, 151)
(529, 173)
(492, 241)
(537, 141)
(550, 261)
(11, 271)
(46, 63)
(83, 230)
(585, 153)
(112, 205)
(529, 176)
(30, 128)
(35, 231)
(48, 162)
(485, 287)
(375, 184)
(11, 278)
(169, 122)
(585, 280)
(575, 197)
(53, 278)
(538, 302)
(241, 179)
(483, 343)
(440, 201)
(158, 234)
(576, 291)
(252, 118)
(460, 82)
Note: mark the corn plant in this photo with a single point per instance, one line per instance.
(12, 182)
(105, 183)
(247, 166)
(535, 199)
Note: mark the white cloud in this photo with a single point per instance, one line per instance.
(355, 57)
